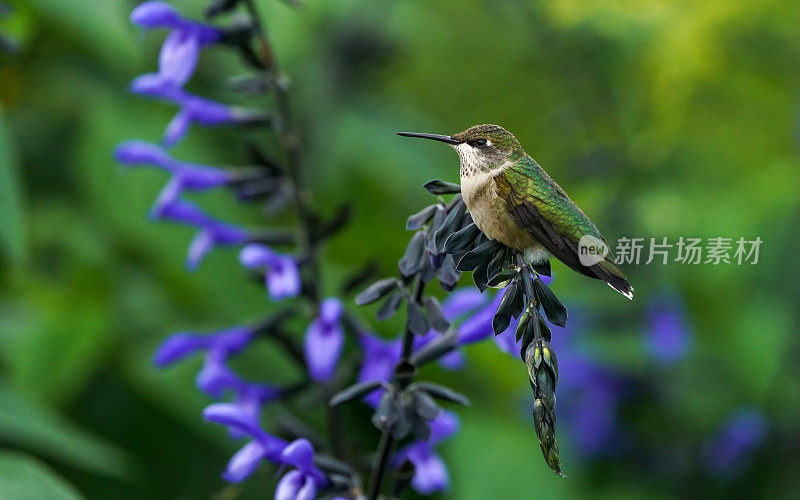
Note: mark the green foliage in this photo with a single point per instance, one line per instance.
(38, 428)
(26, 478)
(12, 230)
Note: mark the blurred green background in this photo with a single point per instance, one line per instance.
(660, 118)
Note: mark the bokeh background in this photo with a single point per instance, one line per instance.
(669, 118)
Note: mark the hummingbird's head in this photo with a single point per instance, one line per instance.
(480, 148)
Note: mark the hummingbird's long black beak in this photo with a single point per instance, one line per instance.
(436, 137)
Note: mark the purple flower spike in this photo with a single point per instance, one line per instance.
(668, 337)
(283, 275)
(324, 340)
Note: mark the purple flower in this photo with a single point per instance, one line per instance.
(479, 326)
(430, 471)
(193, 109)
(324, 340)
(668, 336)
(283, 275)
(296, 486)
(212, 232)
(303, 482)
(261, 446)
(178, 57)
(188, 175)
(726, 453)
(455, 306)
(461, 302)
(215, 377)
(380, 357)
(225, 342)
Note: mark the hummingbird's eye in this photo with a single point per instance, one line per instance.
(479, 143)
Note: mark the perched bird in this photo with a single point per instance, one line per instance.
(514, 201)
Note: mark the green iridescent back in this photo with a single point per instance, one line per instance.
(532, 183)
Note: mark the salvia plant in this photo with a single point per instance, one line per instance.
(445, 242)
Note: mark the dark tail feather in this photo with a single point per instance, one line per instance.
(616, 282)
(619, 284)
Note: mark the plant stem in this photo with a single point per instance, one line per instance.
(387, 440)
(527, 273)
(385, 447)
(291, 143)
(308, 248)
(408, 335)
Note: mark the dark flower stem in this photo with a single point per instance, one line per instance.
(527, 278)
(408, 336)
(291, 142)
(308, 247)
(385, 449)
(386, 443)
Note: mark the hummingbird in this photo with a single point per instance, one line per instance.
(512, 200)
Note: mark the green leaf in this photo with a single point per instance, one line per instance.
(26, 478)
(12, 231)
(38, 428)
